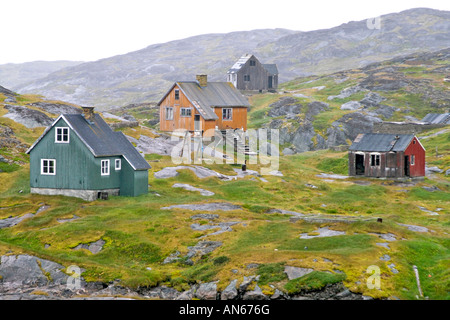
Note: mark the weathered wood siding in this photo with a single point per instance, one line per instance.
(392, 164)
(239, 115)
(178, 121)
(76, 167)
(418, 168)
(258, 76)
(238, 119)
(133, 182)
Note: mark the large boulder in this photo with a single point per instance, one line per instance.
(286, 106)
(348, 127)
(28, 270)
(207, 291)
(372, 99)
(28, 117)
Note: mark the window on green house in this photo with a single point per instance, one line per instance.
(105, 167)
(62, 135)
(48, 167)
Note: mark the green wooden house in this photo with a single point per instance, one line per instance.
(79, 155)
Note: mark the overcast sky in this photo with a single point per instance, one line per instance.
(86, 30)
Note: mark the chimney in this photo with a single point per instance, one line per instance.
(202, 80)
(88, 113)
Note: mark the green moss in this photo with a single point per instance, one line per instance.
(312, 281)
(271, 272)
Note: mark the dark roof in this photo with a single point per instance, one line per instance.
(271, 68)
(437, 118)
(215, 94)
(101, 140)
(381, 142)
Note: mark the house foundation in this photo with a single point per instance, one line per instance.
(88, 195)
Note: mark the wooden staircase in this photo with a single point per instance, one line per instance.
(237, 139)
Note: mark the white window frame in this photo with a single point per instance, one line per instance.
(47, 167)
(62, 134)
(177, 94)
(104, 170)
(185, 115)
(169, 113)
(412, 159)
(377, 155)
(230, 118)
(118, 164)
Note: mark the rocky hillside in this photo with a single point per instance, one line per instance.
(320, 112)
(144, 75)
(14, 75)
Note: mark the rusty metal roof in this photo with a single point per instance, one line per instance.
(381, 142)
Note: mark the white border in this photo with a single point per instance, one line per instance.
(42, 167)
(56, 134)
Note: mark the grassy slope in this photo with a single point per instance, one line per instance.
(139, 234)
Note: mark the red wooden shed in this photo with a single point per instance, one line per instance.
(386, 155)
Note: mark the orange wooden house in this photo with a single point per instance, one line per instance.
(200, 105)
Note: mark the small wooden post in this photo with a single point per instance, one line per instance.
(416, 271)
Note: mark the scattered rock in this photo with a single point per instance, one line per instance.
(200, 172)
(431, 213)
(432, 189)
(393, 269)
(385, 257)
(213, 206)
(414, 228)
(296, 272)
(386, 236)
(94, 247)
(188, 187)
(75, 217)
(310, 186)
(202, 248)
(246, 282)
(12, 221)
(206, 291)
(351, 105)
(286, 106)
(223, 226)
(207, 216)
(323, 232)
(288, 151)
(281, 211)
(230, 292)
(173, 257)
(255, 294)
(331, 176)
(347, 92)
(383, 244)
(372, 99)
(431, 170)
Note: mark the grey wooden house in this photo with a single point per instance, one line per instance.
(250, 74)
(80, 155)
